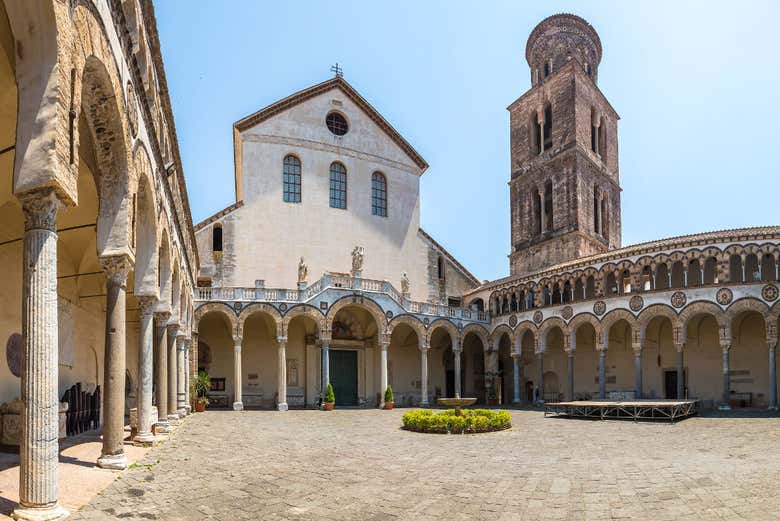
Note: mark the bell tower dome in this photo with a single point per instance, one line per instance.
(564, 185)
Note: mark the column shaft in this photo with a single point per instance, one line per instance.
(383, 372)
(39, 447)
(282, 375)
(181, 384)
(145, 355)
(638, 370)
(161, 365)
(570, 373)
(772, 378)
(602, 374)
(325, 365)
(458, 371)
(726, 378)
(238, 403)
(540, 385)
(424, 376)
(172, 371)
(113, 453)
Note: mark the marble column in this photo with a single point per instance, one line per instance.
(680, 372)
(638, 371)
(144, 435)
(384, 343)
(39, 447)
(457, 355)
(238, 403)
(772, 376)
(282, 375)
(161, 368)
(725, 348)
(181, 383)
(516, 368)
(602, 373)
(424, 375)
(187, 376)
(570, 372)
(540, 385)
(325, 364)
(173, 330)
(113, 453)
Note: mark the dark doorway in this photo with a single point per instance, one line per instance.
(670, 384)
(529, 391)
(343, 376)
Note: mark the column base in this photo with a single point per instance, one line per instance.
(238, 406)
(162, 427)
(425, 404)
(724, 407)
(113, 461)
(49, 513)
(516, 401)
(772, 408)
(146, 439)
(182, 412)
(282, 407)
(173, 418)
(188, 410)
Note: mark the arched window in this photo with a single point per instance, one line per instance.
(548, 123)
(537, 213)
(711, 270)
(216, 238)
(596, 210)
(548, 206)
(735, 269)
(752, 271)
(378, 194)
(338, 186)
(291, 175)
(440, 268)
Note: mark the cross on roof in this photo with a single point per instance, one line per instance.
(337, 70)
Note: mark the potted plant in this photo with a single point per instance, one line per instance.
(389, 399)
(329, 400)
(491, 388)
(202, 388)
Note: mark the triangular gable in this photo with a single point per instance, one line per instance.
(321, 88)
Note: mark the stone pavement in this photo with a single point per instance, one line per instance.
(358, 465)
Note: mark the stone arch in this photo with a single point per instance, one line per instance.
(477, 329)
(701, 308)
(220, 308)
(657, 310)
(446, 324)
(305, 310)
(261, 308)
(520, 332)
(145, 234)
(495, 336)
(165, 271)
(615, 316)
(746, 304)
(411, 321)
(359, 301)
(584, 318)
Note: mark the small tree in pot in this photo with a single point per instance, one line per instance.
(329, 400)
(389, 398)
(202, 388)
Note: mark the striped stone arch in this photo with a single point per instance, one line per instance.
(584, 318)
(262, 308)
(495, 337)
(550, 323)
(303, 310)
(612, 318)
(361, 302)
(520, 331)
(658, 310)
(220, 308)
(702, 307)
(746, 304)
(479, 330)
(411, 321)
(446, 324)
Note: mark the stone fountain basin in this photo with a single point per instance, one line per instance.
(456, 402)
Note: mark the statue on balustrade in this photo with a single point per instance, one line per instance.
(303, 271)
(357, 259)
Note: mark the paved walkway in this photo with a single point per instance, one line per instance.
(358, 465)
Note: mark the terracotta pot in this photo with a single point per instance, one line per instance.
(200, 406)
(389, 406)
(492, 401)
(328, 405)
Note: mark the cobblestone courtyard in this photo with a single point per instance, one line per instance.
(358, 465)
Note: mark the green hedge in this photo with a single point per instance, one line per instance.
(447, 422)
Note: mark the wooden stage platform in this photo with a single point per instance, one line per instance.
(670, 410)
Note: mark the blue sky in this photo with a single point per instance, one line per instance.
(696, 84)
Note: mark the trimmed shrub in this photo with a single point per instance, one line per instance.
(329, 397)
(449, 422)
(389, 394)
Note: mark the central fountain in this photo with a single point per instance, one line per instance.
(457, 403)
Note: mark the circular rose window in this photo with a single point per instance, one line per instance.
(337, 123)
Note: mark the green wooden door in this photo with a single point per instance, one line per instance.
(343, 376)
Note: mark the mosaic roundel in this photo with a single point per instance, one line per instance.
(238, 306)
(426, 321)
(636, 303)
(724, 296)
(599, 307)
(679, 299)
(769, 292)
(513, 320)
(389, 314)
(567, 312)
(538, 317)
(283, 307)
(14, 350)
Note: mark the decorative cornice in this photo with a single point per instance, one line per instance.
(220, 214)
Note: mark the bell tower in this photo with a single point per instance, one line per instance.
(564, 186)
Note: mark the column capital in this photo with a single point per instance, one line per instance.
(679, 346)
(424, 348)
(637, 347)
(172, 329)
(772, 344)
(161, 318)
(725, 346)
(40, 209)
(569, 352)
(146, 304)
(237, 342)
(282, 340)
(117, 267)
